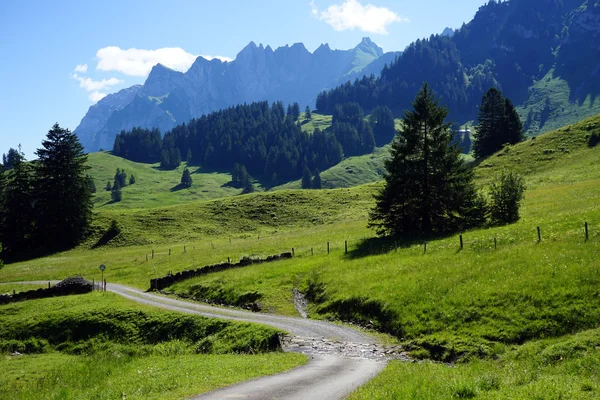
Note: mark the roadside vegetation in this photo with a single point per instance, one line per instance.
(103, 346)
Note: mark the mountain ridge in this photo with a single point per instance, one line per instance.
(290, 73)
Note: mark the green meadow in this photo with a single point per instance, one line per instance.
(516, 317)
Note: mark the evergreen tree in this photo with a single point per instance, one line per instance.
(499, 124)
(131, 179)
(108, 186)
(506, 191)
(243, 177)
(307, 114)
(9, 159)
(490, 124)
(186, 178)
(121, 176)
(189, 157)
(116, 194)
(17, 212)
(316, 182)
(235, 173)
(383, 124)
(306, 179)
(512, 126)
(63, 194)
(248, 188)
(428, 189)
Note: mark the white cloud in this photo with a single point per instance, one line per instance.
(81, 68)
(351, 14)
(96, 96)
(139, 62)
(92, 85)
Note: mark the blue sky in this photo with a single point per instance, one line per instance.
(59, 57)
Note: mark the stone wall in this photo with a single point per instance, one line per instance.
(76, 285)
(166, 281)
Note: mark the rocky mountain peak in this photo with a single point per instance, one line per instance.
(368, 46)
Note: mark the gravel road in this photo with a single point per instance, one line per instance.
(341, 358)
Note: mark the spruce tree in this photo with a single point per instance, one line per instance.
(316, 182)
(186, 178)
(382, 121)
(307, 114)
(131, 179)
(512, 125)
(499, 124)
(17, 219)
(248, 188)
(62, 191)
(428, 188)
(306, 179)
(490, 124)
(116, 195)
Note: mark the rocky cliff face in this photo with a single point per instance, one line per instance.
(99, 113)
(167, 98)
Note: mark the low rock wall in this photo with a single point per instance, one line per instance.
(67, 287)
(166, 281)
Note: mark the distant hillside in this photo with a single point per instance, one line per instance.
(168, 98)
(543, 54)
(154, 187)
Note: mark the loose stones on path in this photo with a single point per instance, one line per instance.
(313, 346)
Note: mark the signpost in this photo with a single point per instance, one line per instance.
(102, 268)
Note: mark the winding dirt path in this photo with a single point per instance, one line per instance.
(342, 359)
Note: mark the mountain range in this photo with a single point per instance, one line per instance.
(542, 54)
(168, 97)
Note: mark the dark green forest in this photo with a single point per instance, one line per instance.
(265, 139)
(508, 45)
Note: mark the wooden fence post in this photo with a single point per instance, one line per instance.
(153, 254)
(495, 243)
(293, 253)
(312, 253)
(184, 250)
(424, 247)
(346, 246)
(169, 251)
(146, 257)
(228, 260)
(327, 247)
(539, 232)
(461, 242)
(586, 232)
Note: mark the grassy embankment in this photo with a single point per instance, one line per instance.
(103, 346)
(481, 303)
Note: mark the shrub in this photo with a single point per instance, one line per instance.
(506, 191)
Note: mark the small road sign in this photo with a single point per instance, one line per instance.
(102, 267)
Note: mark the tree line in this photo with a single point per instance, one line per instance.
(45, 205)
(268, 141)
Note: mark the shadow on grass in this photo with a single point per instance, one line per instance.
(382, 245)
(179, 187)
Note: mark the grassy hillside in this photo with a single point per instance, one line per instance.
(317, 121)
(352, 171)
(550, 106)
(503, 312)
(154, 187)
(103, 346)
